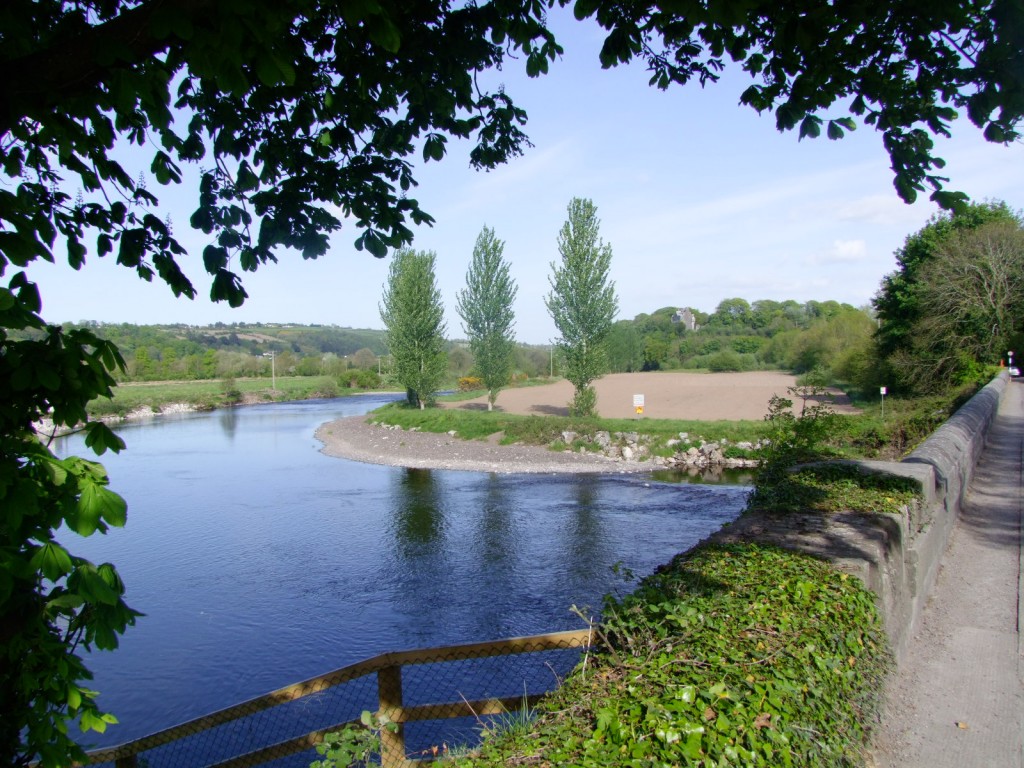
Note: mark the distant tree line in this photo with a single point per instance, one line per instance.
(818, 336)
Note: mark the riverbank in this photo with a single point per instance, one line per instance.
(671, 395)
(360, 439)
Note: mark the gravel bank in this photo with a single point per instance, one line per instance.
(356, 439)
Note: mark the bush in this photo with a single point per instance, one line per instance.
(470, 384)
(729, 360)
(584, 403)
(232, 394)
(361, 379)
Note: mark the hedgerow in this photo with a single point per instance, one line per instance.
(730, 655)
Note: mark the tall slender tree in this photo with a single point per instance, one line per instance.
(488, 319)
(414, 320)
(582, 302)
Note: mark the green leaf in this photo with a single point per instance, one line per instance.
(810, 127)
(434, 147)
(53, 560)
(384, 33)
(96, 503)
(92, 722)
(100, 438)
(372, 242)
(585, 8)
(76, 253)
(66, 600)
(55, 469)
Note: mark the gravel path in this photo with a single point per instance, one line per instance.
(957, 701)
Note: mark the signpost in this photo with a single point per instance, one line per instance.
(638, 404)
(883, 403)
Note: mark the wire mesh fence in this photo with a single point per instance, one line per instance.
(440, 697)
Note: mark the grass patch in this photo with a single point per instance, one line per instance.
(729, 655)
(544, 430)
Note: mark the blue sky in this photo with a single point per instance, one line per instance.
(700, 199)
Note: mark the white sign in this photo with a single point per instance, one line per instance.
(638, 401)
(883, 390)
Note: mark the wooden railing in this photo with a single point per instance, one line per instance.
(388, 668)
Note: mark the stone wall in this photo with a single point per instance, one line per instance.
(897, 556)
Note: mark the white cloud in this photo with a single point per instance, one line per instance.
(842, 251)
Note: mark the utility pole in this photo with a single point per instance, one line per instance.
(273, 369)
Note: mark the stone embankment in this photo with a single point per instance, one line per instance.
(897, 556)
(687, 452)
(47, 428)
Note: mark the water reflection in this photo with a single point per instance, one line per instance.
(714, 475)
(228, 418)
(497, 535)
(586, 544)
(418, 517)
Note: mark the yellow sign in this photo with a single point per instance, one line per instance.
(639, 410)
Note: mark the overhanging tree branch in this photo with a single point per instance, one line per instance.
(70, 66)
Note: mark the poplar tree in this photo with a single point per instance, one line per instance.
(414, 320)
(582, 302)
(485, 307)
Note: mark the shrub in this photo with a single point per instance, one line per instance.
(361, 379)
(232, 394)
(470, 384)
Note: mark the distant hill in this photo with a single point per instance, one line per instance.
(254, 338)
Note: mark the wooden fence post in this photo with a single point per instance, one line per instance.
(389, 695)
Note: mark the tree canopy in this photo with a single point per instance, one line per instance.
(970, 301)
(304, 113)
(899, 300)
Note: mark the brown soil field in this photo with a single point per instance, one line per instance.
(667, 395)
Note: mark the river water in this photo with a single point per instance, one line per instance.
(259, 561)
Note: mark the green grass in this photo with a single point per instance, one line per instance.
(544, 430)
(213, 393)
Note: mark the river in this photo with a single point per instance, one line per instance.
(259, 561)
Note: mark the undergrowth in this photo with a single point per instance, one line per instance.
(834, 487)
(729, 655)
